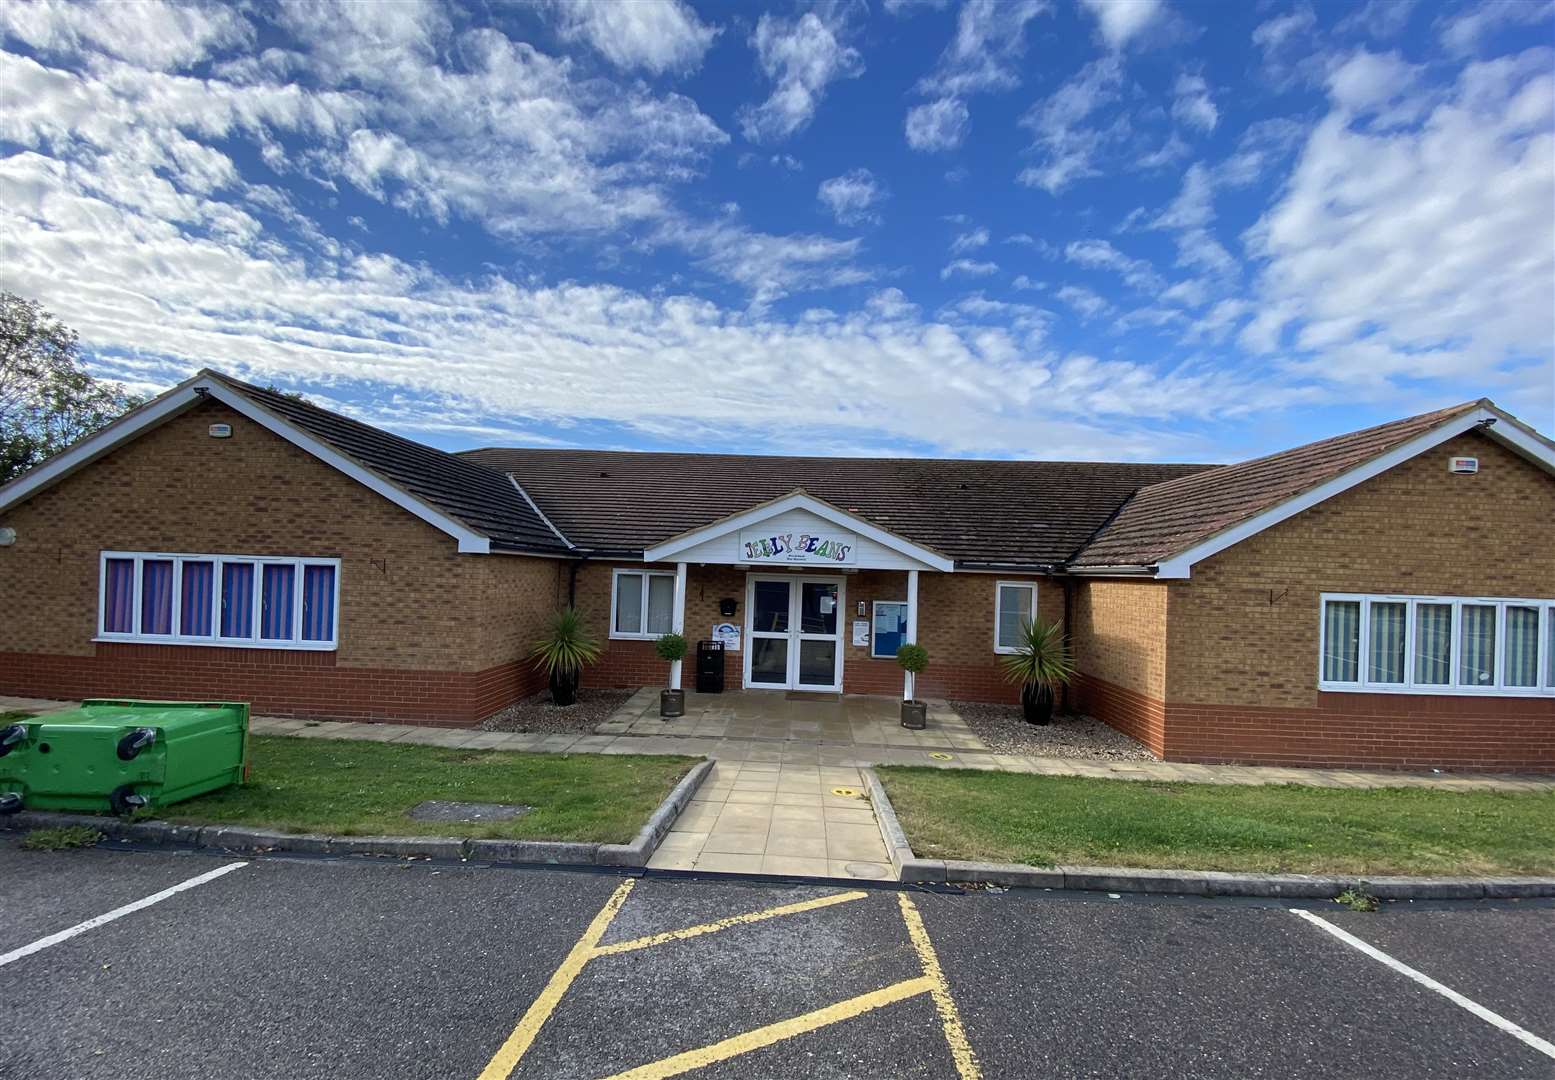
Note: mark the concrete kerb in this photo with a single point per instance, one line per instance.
(911, 869)
(239, 838)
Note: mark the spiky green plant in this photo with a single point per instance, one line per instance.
(566, 648)
(1041, 657)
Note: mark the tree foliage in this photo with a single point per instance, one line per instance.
(48, 400)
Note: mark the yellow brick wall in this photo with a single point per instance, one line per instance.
(1243, 630)
(408, 599)
(1120, 633)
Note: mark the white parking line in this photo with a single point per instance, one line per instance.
(117, 913)
(1492, 1018)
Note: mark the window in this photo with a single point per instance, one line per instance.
(642, 604)
(1437, 645)
(223, 600)
(1015, 605)
(888, 631)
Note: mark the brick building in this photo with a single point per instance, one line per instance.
(1383, 598)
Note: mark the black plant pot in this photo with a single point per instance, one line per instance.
(1036, 704)
(564, 687)
(915, 715)
(672, 703)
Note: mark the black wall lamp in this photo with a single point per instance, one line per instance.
(727, 606)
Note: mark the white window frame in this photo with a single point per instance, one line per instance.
(615, 575)
(1545, 608)
(297, 562)
(874, 608)
(998, 610)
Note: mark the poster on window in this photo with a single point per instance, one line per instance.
(822, 548)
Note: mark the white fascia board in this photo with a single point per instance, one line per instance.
(798, 501)
(470, 541)
(1504, 432)
(184, 397)
(116, 434)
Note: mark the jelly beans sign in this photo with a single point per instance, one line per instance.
(832, 548)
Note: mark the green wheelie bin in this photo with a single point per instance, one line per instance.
(122, 756)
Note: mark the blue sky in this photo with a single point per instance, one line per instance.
(1119, 229)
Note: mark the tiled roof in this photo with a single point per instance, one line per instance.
(1168, 517)
(482, 499)
(1016, 513)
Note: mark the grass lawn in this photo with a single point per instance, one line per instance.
(1043, 820)
(364, 788)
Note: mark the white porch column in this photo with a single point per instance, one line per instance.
(678, 619)
(912, 628)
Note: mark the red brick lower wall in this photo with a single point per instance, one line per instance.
(1390, 731)
(277, 682)
(1137, 716)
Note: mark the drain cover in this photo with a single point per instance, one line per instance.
(440, 810)
(845, 792)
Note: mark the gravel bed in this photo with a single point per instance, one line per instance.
(1005, 732)
(536, 713)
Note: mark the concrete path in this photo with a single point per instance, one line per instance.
(798, 820)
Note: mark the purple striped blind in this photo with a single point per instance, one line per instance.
(318, 603)
(119, 597)
(194, 617)
(276, 620)
(237, 600)
(156, 596)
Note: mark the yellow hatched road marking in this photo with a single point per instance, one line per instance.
(949, 1016)
(775, 1033)
(508, 1055)
(724, 924)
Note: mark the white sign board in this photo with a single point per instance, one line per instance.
(729, 634)
(828, 548)
(861, 633)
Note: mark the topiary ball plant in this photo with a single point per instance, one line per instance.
(670, 647)
(913, 658)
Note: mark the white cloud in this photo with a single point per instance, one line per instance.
(985, 54)
(1120, 21)
(939, 125)
(1287, 47)
(1465, 32)
(968, 268)
(969, 241)
(1379, 18)
(1421, 250)
(1368, 80)
(802, 57)
(150, 33)
(656, 35)
(1101, 255)
(1025, 283)
(1192, 104)
(1063, 140)
(1083, 300)
(851, 196)
(912, 7)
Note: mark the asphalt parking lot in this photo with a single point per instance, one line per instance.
(359, 968)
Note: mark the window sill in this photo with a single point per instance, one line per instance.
(1000, 651)
(638, 637)
(202, 643)
(1442, 691)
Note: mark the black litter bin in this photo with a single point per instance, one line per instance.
(710, 667)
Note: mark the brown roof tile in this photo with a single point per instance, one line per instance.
(1168, 517)
(1025, 513)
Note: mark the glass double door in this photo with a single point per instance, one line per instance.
(793, 633)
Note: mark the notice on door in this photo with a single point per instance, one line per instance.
(824, 548)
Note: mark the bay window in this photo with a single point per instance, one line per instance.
(1437, 645)
(221, 600)
(642, 604)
